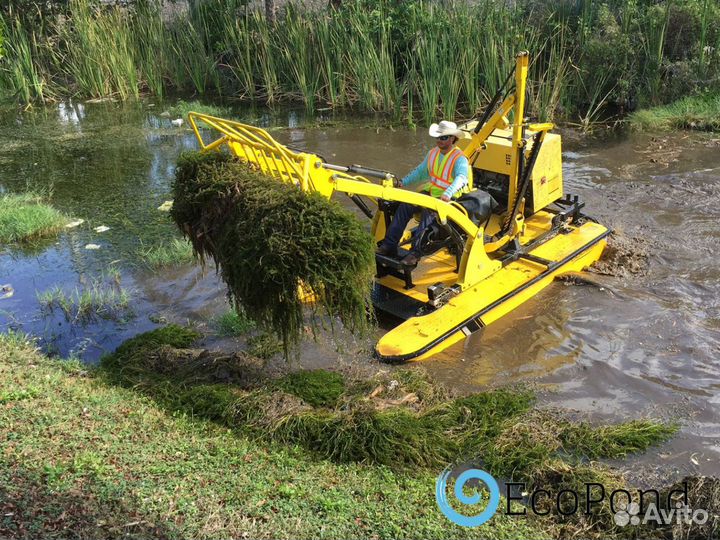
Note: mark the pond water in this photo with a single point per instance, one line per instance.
(640, 344)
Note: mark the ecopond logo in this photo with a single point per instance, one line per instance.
(475, 499)
(565, 502)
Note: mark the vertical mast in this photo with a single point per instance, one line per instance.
(518, 141)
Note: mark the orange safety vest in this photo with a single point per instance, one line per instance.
(440, 167)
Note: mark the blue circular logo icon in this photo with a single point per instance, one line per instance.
(455, 516)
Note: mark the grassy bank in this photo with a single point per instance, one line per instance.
(25, 217)
(701, 113)
(86, 458)
(398, 420)
(590, 59)
(169, 441)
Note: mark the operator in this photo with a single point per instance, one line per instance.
(447, 169)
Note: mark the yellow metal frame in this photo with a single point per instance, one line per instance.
(257, 147)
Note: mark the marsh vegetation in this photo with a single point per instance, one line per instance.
(590, 60)
(168, 253)
(26, 216)
(103, 298)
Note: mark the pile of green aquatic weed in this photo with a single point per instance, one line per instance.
(272, 244)
(393, 421)
(396, 419)
(403, 432)
(548, 451)
(316, 387)
(24, 217)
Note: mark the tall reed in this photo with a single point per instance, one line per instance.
(99, 56)
(150, 45)
(420, 57)
(241, 60)
(267, 71)
(193, 68)
(369, 63)
(329, 59)
(298, 42)
(652, 36)
(550, 73)
(20, 72)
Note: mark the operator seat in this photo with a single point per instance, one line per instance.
(479, 206)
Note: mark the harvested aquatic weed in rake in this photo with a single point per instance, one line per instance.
(275, 246)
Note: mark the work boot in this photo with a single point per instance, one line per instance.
(388, 251)
(411, 259)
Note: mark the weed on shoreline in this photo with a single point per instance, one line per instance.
(169, 397)
(399, 420)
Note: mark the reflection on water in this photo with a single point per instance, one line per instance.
(637, 345)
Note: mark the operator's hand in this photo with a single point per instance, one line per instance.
(445, 198)
(397, 182)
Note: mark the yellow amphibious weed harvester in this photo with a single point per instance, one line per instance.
(488, 252)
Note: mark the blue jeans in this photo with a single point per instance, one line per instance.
(402, 217)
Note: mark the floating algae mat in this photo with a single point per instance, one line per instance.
(274, 244)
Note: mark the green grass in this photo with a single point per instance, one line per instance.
(173, 253)
(148, 440)
(149, 437)
(82, 457)
(104, 299)
(233, 323)
(26, 217)
(699, 112)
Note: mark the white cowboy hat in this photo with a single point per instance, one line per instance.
(447, 128)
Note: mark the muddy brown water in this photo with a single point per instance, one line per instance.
(637, 343)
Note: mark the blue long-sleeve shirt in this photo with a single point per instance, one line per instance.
(459, 175)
